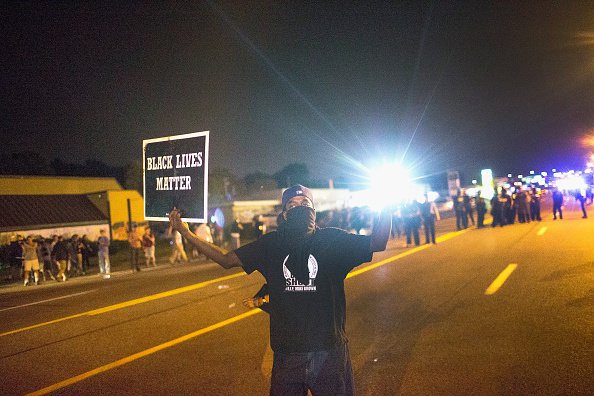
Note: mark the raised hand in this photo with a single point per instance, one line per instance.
(175, 220)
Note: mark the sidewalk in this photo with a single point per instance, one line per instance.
(121, 268)
(121, 265)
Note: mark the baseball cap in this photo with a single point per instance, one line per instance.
(296, 191)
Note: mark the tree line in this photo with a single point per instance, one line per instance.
(223, 184)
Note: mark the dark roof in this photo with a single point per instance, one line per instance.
(27, 211)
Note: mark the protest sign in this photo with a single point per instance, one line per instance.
(175, 172)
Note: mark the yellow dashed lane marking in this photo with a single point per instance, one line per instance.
(541, 231)
(500, 280)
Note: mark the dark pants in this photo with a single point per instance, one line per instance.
(470, 215)
(510, 215)
(429, 226)
(411, 227)
(523, 216)
(480, 219)
(535, 211)
(396, 226)
(85, 262)
(461, 220)
(135, 254)
(498, 219)
(322, 372)
(557, 207)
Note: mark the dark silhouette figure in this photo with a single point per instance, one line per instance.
(557, 204)
(481, 209)
(412, 222)
(582, 200)
(535, 205)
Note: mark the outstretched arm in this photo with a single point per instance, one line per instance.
(210, 250)
(381, 231)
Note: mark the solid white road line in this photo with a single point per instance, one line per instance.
(48, 300)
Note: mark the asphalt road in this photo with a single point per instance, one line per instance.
(421, 321)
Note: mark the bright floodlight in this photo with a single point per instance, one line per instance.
(572, 183)
(487, 182)
(389, 185)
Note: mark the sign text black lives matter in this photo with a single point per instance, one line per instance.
(176, 175)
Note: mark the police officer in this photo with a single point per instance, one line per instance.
(429, 213)
(412, 222)
(468, 208)
(481, 209)
(497, 209)
(535, 205)
(459, 209)
(557, 203)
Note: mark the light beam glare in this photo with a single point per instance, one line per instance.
(283, 78)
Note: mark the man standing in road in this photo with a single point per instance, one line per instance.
(460, 210)
(557, 204)
(467, 208)
(412, 222)
(582, 200)
(305, 268)
(535, 205)
(430, 214)
(481, 209)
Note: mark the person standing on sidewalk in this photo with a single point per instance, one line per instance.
(45, 258)
(77, 254)
(148, 245)
(103, 254)
(135, 243)
(30, 260)
(61, 255)
(305, 268)
(86, 253)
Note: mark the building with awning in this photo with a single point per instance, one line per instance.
(47, 215)
(110, 205)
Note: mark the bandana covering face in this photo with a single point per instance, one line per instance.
(296, 234)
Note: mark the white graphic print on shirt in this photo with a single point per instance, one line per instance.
(293, 285)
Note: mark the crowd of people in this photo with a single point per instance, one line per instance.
(62, 257)
(522, 205)
(57, 258)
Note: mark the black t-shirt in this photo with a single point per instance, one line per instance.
(310, 317)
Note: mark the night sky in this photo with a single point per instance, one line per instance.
(461, 85)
